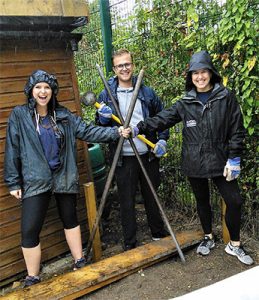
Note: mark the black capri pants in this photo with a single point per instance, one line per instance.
(34, 210)
(229, 190)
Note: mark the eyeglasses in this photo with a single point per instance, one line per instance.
(121, 66)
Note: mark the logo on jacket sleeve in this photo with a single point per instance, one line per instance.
(191, 123)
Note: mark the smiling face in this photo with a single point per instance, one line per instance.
(42, 94)
(123, 68)
(201, 80)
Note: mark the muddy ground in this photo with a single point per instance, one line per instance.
(164, 280)
(172, 278)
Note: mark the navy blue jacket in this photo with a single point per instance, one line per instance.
(151, 105)
(26, 167)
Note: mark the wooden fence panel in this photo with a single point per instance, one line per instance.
(15, 67)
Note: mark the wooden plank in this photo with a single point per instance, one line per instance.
(225, 232)
(2, 146)
(50, 225)
(18, 266)
(18, 98)
(91, 216)
(1, 167)
(53, 230)
(21, 69)
(7, 202)
(75, 284)
(17, 85)
(9, 229)
(32, 55)
(5, 112)
(74, 8)
(4, 115)
(13, 214)
(66, 8)
(2, 131)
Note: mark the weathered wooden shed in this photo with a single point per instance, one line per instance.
(37, 34)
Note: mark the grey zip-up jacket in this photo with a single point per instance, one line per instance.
(212, 133)
(26, 167)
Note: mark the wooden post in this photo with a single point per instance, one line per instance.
(225, 233)
(90, 201)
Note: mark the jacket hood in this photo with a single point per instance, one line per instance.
(201, 60)
(42, 76)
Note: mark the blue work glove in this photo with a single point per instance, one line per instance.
(134, 131)
(105, 114)
(232, 168)
(160, 148)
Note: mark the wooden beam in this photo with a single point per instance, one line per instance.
(225, 233)
(65, 8)
(90, 201)
(83, 281)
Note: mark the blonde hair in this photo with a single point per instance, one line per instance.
(121, 52)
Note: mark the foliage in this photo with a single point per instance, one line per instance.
(237, 32)
(90, 52)
(162, 35)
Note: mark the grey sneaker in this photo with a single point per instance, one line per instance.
(205, 246)
(240, 253)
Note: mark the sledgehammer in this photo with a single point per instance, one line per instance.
(89, 99)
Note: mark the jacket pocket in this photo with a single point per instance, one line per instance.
(219, 156)
(191, 161)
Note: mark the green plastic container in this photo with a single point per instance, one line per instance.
(98, 167)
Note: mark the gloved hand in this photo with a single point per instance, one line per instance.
(160, 148)
(232, 168)
(105, 114)
(134, 131)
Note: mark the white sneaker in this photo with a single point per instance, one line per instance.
(205, 246)
(240, 253)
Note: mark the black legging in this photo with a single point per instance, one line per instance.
(229, 190)
(34, 211)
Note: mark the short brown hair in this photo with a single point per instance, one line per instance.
(120, 52)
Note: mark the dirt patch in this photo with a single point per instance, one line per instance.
(171, 278)
(164, 280)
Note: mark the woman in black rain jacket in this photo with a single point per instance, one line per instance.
(213, 135)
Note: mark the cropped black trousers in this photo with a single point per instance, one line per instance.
(34, 210)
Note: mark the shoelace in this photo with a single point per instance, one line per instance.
(205, 242)
(79, 262)
(240, 251)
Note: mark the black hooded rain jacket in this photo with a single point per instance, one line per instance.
(211, 133)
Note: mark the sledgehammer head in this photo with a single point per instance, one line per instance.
(88, 98)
